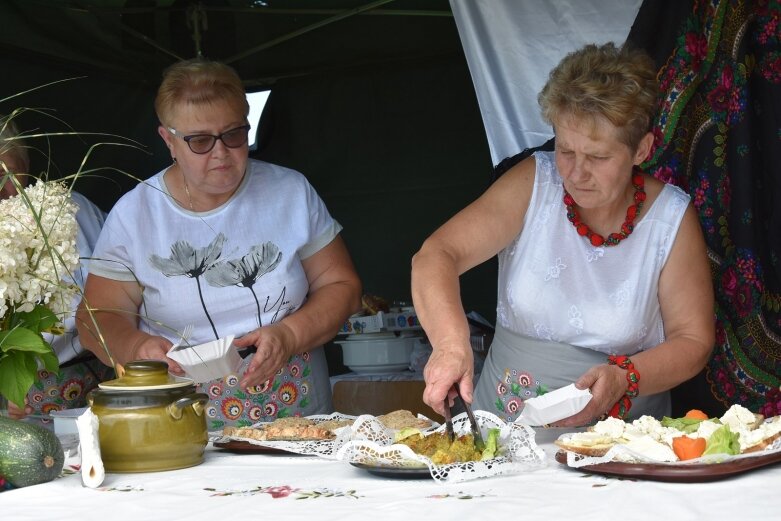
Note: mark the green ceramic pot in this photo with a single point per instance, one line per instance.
(149, 420)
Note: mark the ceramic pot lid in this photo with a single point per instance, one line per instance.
(146, 375)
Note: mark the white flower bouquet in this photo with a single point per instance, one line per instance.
(38, 253)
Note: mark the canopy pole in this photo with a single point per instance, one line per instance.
(144, 38)
(196, 18)
(304, 30)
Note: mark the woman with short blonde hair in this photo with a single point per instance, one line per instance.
(604, 280)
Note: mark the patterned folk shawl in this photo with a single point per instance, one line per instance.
(718, 137)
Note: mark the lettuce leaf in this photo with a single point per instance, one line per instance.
(491, 445)
(723, 441)
(686, 425)
(406, 432)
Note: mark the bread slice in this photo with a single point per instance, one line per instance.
(762, 445)
(758, 419)
(402, 419)
(333, 425)
(586, 443)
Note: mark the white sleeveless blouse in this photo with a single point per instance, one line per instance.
(554, 285)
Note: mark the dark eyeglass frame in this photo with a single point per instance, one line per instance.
(214, 138)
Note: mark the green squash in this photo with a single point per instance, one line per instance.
(29, 454)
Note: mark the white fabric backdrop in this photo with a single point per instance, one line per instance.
(511, 46)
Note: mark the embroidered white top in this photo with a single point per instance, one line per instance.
(554, 285)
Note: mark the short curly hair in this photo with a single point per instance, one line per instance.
(617, 84)
(199, 82)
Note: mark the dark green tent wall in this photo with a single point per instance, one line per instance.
(378, 112)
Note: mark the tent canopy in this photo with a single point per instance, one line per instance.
(263, 40)
(371, 100)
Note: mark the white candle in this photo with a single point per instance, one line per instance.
(92, 471)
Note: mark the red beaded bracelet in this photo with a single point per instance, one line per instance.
(621, 408)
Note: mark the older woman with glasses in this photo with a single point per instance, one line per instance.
(229, 245)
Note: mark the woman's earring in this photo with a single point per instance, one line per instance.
(174, 160)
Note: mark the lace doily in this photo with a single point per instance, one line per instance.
(372, 444)
(620, 453)
(323, 448)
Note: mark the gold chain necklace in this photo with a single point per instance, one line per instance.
(187, 191)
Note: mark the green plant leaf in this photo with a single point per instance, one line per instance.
(22, 339)
(16, 378)
(39, 319)
(50, 362)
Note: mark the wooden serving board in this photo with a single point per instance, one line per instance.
(680, 473)
(245, 447)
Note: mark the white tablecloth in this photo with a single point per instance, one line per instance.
(277, 487)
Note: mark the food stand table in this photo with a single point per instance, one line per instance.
(380, 393)
(273, 486)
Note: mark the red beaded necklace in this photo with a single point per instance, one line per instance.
(629, 224)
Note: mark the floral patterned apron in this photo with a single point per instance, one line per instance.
(291, 393)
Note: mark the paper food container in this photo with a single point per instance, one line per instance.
(554, 406)
(209, 361)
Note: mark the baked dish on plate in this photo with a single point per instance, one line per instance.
(290, 429)
(410, 452)
(317, 435)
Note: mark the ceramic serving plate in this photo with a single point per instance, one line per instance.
(387, 471)
(245, 447)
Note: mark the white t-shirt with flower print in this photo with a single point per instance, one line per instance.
(226, 271)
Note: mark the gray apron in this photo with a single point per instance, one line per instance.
(518, 368)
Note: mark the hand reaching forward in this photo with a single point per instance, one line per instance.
(444, 368)
(275, 345)
(155, 348)
(18, 413)
(607, 384)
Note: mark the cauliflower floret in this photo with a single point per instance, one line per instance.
(666, 435)
(738, 417)
(647, 424)
(650, 426)
(706, 428)
(632, 432)
(611, 427)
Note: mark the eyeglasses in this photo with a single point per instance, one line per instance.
(203, 143)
